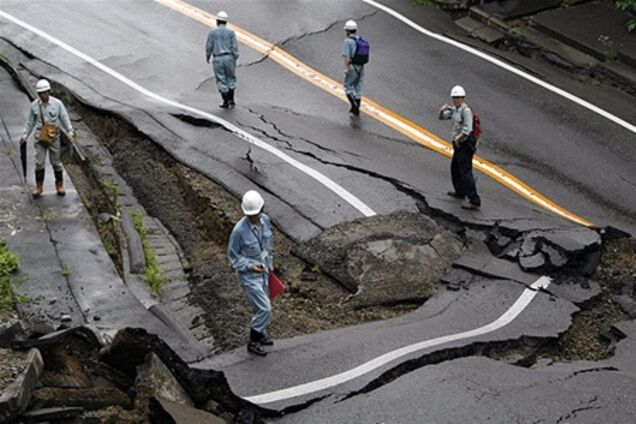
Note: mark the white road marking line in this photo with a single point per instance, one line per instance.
(324, 383)
(505, 66)
(321, 178)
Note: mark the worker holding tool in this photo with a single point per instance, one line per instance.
(48, 118)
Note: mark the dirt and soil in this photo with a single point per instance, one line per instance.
(201, 214)
(589, 336)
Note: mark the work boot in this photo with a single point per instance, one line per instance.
(59, 183)
(254, 346)
(230, 98)
(39, 183)
(354, 105)
(265, 340)
(256, 349)
(470, 206)
(226, 101)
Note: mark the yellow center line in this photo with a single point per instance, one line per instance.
(409, 128)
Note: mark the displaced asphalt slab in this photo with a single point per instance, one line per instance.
(575, 137)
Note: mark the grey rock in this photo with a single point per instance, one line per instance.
(162, 410)
(528, 245)
(627, 304)
(104, 217)
(367, 256)
(534, 263)
(555, 258)
(154, 375)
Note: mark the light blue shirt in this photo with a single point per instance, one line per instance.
(462, 120)
(54, 113)
(349, 46)
(250, 244)
(221, 41)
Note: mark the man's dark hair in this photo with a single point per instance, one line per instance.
(351, 31)
(220, 22)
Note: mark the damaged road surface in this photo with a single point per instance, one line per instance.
(402, 306)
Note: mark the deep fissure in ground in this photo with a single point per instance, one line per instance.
(200, 213)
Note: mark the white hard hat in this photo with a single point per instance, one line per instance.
(458, 91)
(351, 25)
(222, 16)
(252, 203)
(42, 86)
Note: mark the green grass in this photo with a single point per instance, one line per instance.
(9, 265)
(112, 189)
(66, 272)
(153, 273)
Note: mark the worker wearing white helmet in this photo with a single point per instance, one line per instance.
(464, 147)
(222, 47)
(355, 51)
(48, 118)
(250, 251)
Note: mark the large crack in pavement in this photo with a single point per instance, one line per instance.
(298, 37)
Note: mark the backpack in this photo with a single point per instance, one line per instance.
(476, 126)
(361, 56)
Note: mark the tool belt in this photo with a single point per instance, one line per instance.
(49, 132)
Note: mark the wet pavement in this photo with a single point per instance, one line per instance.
(568, 153)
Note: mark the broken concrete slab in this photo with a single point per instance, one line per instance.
(166, 411)
(577, 291)
(46, 414)
(90, 398)
(130, 347)
(369, 255)
(457, 278)
(159, 381)
(480, 261)
(596, 28)
(533, 263)
(22, 371)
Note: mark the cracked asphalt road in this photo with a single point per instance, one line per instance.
(541, 138)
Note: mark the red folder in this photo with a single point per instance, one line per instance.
(276, 286)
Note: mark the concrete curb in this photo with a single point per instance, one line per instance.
(134, 245)
(15, 398)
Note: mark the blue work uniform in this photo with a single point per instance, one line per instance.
(54, 113)
(354, 79)
(250, 244)
(222, 46)
(462, 162)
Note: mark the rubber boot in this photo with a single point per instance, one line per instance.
(254, 346)
(59, 183)
(39, 183)
(231, 98)
(226, 101)
(354, 105)
(265, 340)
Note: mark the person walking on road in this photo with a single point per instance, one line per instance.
(464, 146)
(355, 52)
(250, 253)
(221, 45)
(48, 117)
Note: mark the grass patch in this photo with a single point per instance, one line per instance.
(153, 273)
(66, 272)
(9, 265)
